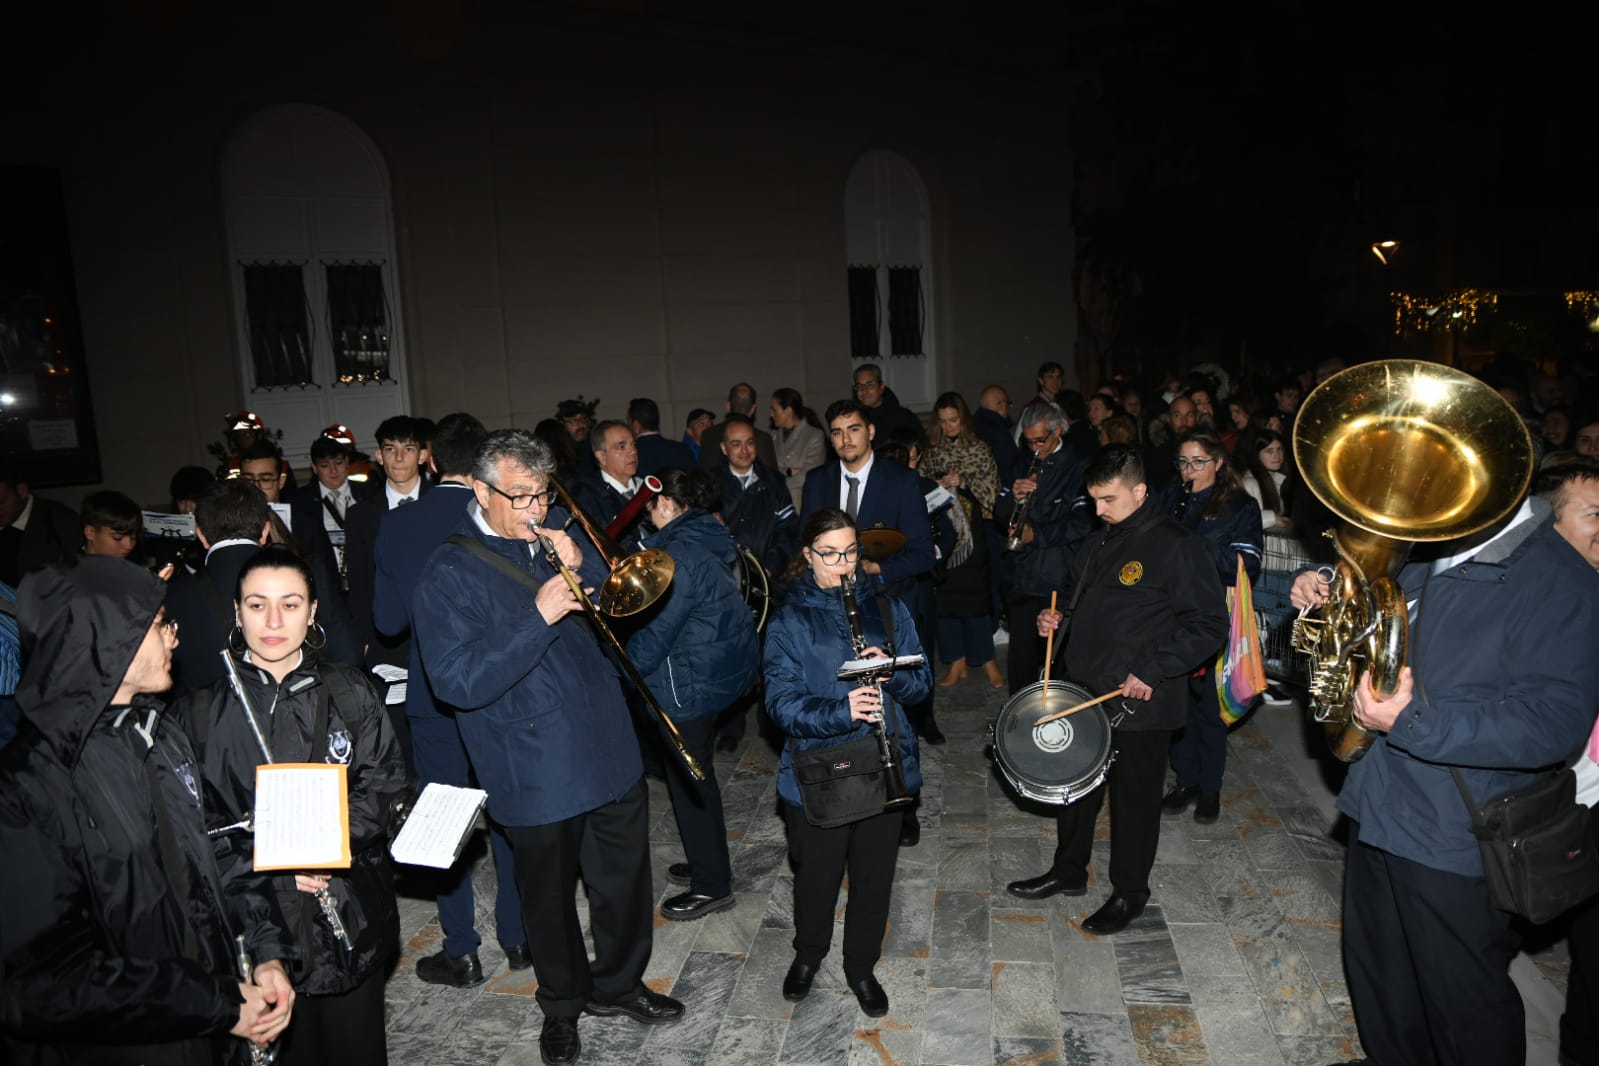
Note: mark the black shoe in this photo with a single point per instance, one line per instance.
(870, 995)
(727, 743)
(910, 830)
(645, 1006)
(558, 1042)
(1045, 885)
(932, 734)
(1117, 912)
(1208, 809)
(1177, 800)
(691, 905)
(680, 873)
(797, 985)
(519, 957)
(440, 969)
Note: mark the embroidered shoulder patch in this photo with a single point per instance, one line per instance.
(1132, 573)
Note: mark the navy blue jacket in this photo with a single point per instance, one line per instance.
(1502, 651)
(602, 503)
(539, 706)
(1060, 516)
(762, 517)
(1234, 532)
(697, 650)
(656, 453)
(892, 498)
(805, 645)
(406, 539)
(996, 433)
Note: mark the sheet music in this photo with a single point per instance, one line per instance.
(395, 677)
(283, 512)
(302, 817)
(175, 526)
(438, 825)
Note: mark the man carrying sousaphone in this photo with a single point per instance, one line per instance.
(1151, 610)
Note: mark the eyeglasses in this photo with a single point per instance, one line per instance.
(523, 502)
(848, 555)
(260, 479)
(1192, 464)
(168, 628)
(862, 386)
(1037, 442)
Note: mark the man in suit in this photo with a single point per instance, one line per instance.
(742, 399)
(405, 540)
(655, 452)
(603, 492)
(403, 448)
(34, 531)
(325, 501)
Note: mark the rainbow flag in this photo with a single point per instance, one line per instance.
(1240, 668)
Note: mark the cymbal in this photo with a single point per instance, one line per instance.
(879, 542)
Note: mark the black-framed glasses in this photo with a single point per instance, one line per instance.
(523, 502)
(260, 479)
(1191, 464)
(1035, 442)
(862, 386)
(828, 556)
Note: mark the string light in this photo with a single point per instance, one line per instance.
(1455, 311)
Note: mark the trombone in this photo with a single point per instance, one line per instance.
(635, 582)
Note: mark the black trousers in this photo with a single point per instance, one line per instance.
(1579, 1026)
(334, 1030)
(1025, 659)
(868, 849)
(698, 807)
(1428, 961)
(611, 847)
(1135, 781)
(1199, 754)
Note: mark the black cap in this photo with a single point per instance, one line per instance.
(579, 406)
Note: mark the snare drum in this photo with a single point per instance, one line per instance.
(1059, 762)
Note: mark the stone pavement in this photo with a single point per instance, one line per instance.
(1235, 962)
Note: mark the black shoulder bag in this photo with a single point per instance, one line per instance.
(846, 783)
(1538, 852)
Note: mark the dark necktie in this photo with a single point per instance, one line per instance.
(853, 503)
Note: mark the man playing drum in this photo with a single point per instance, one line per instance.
(1152, 610)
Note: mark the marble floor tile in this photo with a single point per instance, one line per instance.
(877, 1045)
(1272, 849)
(705, 986)
(1097, 1040)
(1206, 948)
(1167, 1035)
(484, 1032)
(1146, 961)
(756, 866)
(748, 1041)
(1317, 1050)
(905, 983)
(1024, 999)
(1234, 1025)
(758, 993)
(963, 865)
(956, 1027)
(1087, 980)
(910, 918)
(1019, 935)
(960, 948)
(732, 930)
(1028, 1051)
(822, 1029)
(1183, 893)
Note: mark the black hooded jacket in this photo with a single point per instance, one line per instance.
(358, 734)
(113, 944)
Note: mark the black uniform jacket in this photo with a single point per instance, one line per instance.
(358, 735)
(1152, 607)
(113, 947)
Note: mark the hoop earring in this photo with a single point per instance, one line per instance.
(321, 637)
(236, 641)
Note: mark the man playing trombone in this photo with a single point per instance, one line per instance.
(543, 717)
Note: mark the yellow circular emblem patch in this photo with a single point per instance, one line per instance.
(1132, 573)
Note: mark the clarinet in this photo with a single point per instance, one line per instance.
(1018, 517)
(324, 898)
(258, 1056)
(895, 792)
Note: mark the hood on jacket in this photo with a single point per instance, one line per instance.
(82, 624)
(696, 527)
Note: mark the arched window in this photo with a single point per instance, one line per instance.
(889, 241)
(311, 251)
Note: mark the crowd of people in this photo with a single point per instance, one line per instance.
(429, 615)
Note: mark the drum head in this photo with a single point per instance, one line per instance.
(1057, 762)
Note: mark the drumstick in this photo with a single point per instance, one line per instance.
(1112, 694)
(1049, 647)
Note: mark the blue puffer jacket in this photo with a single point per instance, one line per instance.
(698, 650)
(1506, 679)
(1235, 531)
(805, 645)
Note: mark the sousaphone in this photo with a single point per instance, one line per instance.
(1401, 451)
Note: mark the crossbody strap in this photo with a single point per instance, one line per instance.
(499, 562)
